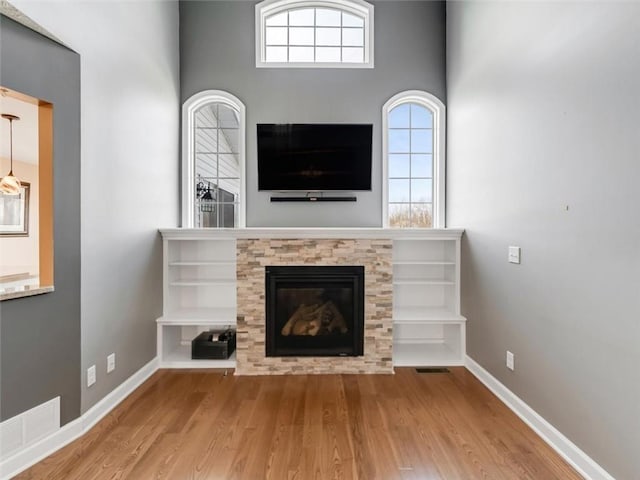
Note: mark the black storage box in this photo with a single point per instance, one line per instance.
(213, 345)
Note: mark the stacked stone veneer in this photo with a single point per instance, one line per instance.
(253, 255)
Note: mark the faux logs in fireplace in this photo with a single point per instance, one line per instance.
(314, 311)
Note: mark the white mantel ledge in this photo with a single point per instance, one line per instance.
(315, 232)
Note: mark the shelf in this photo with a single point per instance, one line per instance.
(196, 282)
(419, 315)
(202, 264)
(219, 316)
(180, 357)
(422, 282)
(414, 354)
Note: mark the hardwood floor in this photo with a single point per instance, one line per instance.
(203, 425)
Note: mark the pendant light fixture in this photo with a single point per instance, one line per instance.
(10, 185)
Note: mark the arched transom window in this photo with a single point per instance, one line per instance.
(331, 33)
(413, 160)
(213, 161)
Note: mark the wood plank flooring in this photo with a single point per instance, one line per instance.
(199, 424)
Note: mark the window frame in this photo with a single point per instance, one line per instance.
(189, 108)
(438, 110)
(360, 8)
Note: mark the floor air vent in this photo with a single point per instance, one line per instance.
(432, 370)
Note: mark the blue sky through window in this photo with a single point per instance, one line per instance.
(410, 165)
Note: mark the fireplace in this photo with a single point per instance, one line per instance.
(314, 311)
(257, 255)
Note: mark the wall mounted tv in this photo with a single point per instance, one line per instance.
(314, 157)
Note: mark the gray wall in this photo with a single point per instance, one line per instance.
(40, 336)
(130, 172)
(217, 51)
(544, 115)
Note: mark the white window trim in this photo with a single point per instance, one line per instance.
(270, 7)
(439, 124)
(191, 105)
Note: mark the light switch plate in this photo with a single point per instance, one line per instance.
(514, 254)
(510, 361)
(111, 363)
(91, 375)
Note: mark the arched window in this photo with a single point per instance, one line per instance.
(324, 33)
(213, 161)
(413, 161)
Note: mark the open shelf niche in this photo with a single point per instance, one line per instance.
(428, 329)
(199, 294)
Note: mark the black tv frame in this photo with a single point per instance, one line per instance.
(318, 191)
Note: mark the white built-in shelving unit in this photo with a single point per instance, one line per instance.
(428, 329)
(200, 291)
(199, 294)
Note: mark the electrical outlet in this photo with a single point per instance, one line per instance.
(510, 361)
(91, 375)
(514, 254)
(111, 363)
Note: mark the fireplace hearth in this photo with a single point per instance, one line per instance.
(314, 311)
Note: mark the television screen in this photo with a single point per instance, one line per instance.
(314, 157)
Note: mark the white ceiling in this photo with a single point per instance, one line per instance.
(25, 131)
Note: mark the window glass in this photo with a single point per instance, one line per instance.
(278, 19)
(399, 116)
(277, 54)
(284, 34)
(301, 36)
(327, 54)
(217, 165)
(421, 165)
(421, 117)
(353, 37)
(301, 54)
(328, 36)
(409, 165)
(399, 165)
(421, 141)
(349, 20)
(399, 190)
(302, 17)
(327, 17)
(352, 55)
(276, 36)
(399, 141)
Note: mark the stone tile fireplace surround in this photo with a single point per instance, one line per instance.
(253, 255)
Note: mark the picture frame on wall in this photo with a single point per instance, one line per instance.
(14, 213)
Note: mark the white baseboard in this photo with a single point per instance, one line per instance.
(108, 403)
(32, 454)
(579, 460)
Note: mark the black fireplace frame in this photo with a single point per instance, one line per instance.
(312, 275)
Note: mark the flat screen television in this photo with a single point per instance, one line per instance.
(314, 157)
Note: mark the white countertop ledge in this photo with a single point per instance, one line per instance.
(25, 293)
(315, 232)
